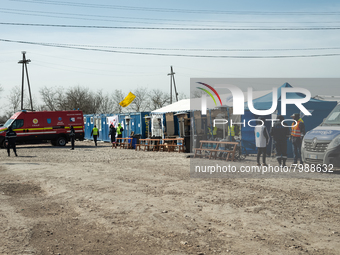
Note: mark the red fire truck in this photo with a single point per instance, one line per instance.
(36, 127)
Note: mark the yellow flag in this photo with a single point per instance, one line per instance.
(127, 100)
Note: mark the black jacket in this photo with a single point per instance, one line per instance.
(11, 136)
(112, 131)
(279, 133)
(72, 133)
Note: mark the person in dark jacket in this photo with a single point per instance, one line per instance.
(10, 137)
(280, 135)
(72, 136)
(112, 134)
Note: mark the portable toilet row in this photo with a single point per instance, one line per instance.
(129, 121)
(100, 120)
(134, 122)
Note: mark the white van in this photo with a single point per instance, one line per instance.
(322, 144)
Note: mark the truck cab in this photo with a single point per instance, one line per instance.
(321, 145)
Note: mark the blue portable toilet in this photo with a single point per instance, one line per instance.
(130, 121)
(88, 123)
(134, 122)
(91, 120)
(105, 127)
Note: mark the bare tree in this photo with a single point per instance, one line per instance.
(3, 119)
(158, 99)
(61, 100)
(196, 94)
(81, 98)
(27, 102)
(181, 96)
(55, 99)
(6, 115)
(14, 99)
(105, 102)
(77, 97)
(50, 97)
(118, 96)
(139, 104)
(101, 103)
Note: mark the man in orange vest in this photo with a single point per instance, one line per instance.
(296, 136)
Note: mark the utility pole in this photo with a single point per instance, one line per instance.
(172, 79)
(24, 63)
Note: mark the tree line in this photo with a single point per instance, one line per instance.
(90, 102)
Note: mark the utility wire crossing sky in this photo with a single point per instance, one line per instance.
(103, 45)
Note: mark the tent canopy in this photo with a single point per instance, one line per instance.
(266, 101)
(318, 108)
(180, 106)
(194, 104)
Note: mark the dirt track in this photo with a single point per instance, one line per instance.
(98, 200)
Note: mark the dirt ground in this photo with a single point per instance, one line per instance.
(98, 200)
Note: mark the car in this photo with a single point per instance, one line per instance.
(321, 145)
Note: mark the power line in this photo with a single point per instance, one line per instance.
(169, 55)
(135, 8)
(189, 49)
(175, 28)
(113, 18)
(71, 16)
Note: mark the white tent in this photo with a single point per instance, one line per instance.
(187, 105)
(195, 103)
(328, 98)
(180, 106)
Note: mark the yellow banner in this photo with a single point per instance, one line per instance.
(127, 100)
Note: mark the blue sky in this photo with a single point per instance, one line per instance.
(108, 71)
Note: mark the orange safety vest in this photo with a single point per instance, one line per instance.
(296, 129)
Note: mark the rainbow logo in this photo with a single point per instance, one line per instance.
(209, 93)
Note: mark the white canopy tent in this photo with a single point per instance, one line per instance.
(195, 103)
(188, 105)
(328, 98)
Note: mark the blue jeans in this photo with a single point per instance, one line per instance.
(297, 149)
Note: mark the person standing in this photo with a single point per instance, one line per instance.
(95, 133)
(112, 134)
(262, 140)
(72, 137)
(231, 133)
(296, 136)
(280, 135)
(10, 137)
(213, 132)
(120, 129)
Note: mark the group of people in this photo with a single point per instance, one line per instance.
(112, 133)
(11, 136)
(280, 135)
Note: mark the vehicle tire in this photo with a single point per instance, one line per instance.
(61, 141)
